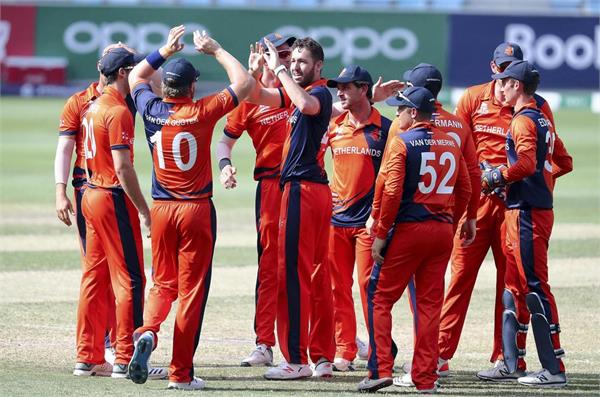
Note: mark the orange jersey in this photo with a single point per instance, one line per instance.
(418, 180)
(179, 132)
(107, 125)
(490, 120)
(357, 152)
(267, 129)
(530, 148)
(70, 125)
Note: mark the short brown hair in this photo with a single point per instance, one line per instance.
(311, 45)
(175, 92)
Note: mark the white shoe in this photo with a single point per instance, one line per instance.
(109, 355)
(322, 369)
(195, 384)
(286, 371)
(119, 371)
(83, 369)
(499, 373)
(544, 378)
(261, 355)
(403, 381)
(363, 349)
(443, 370)
(157, 373)
(368, 385)
(138, 366)
(342, 365)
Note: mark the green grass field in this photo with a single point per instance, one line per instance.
(39, 278)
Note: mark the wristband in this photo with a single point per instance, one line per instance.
(279, 69)
(155, 59)
(224, 163)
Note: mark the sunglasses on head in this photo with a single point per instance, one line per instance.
(284, 53)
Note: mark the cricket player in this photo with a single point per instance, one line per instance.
(534, 162)
(482, 110)
(304, 308)
(421, 190)
(357, 139)
(111, 203)
(179, 132)
(266, 126)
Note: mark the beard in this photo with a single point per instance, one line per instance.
(306, 79)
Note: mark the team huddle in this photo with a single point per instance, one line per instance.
(407, 197)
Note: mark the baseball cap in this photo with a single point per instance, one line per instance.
(277, 39)
(425, 75)
(414, 97)
(179, 72)
(520, 70)
(507, 52)
(351, 74)
(114, 60)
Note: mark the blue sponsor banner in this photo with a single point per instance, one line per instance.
(566, 50)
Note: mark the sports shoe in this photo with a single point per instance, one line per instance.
(342, 365)
(443, 367)
(322, 369)
(368, 385)
(138, 366)
(261, 355)
(157, 373)
(84, 369)
(119, 371)
(403, 381)
(543, 378)
(286, 371)
(499, 373)
(194, 384)
(109, 355)
(363, 349)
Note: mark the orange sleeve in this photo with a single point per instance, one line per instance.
(463, 189)
(464, 108)
(392, 189)
(562, 162)
(237, 121)
(524, 134)
(474, 172)
(215, 106)
(119, 123)
(69, 118)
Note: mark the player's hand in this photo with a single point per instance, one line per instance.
(227, 177)
(146, 220)
(64, 209)
(382, 90)
(492, 178)
(255, 59)
(271, 56)
(205, 44)
(468, 230)
(369, 226)
(173, 45)
(377, 248)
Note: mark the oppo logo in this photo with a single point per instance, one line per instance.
(84, 37)
(551, 52)
(359, 42)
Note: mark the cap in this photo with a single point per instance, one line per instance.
(507, 52)
(114, 60)
(425, 75)
(180, 72)
(520, 70)
(414, 97)
(277, 39)
(351, 74)
(137, 58)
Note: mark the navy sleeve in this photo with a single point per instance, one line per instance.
(325, 99)
(142, 95)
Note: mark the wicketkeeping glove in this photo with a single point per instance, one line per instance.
(491, 178)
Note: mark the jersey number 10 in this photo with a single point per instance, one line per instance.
(156, 139)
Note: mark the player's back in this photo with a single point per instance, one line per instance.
(433, 162)
(107, 125)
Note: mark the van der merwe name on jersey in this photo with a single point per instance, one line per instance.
(432, 142)
(171, 122)
(366, 151)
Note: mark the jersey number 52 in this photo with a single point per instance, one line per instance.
(428, 169)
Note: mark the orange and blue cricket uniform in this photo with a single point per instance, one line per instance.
(489, 121)
(114, 254)
(304, 305)
(531, 153)
(184, 222)
(420, 190)
(357, 151)
(266, 127)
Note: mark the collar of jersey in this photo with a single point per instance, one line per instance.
(319, 83)
(529, 105)
(421, 124)
(92, 91)
(177, 100)
(108, 90)
(374, 119)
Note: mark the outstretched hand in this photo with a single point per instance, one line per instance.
(256, 59)
(382, 90)
(271, 56)
(173, 45)
(205, 44)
